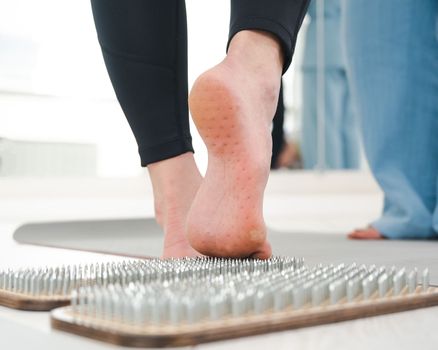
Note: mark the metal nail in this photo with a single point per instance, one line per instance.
(425, 277)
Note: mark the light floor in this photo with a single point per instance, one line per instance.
(311, 202)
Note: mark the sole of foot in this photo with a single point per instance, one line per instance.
(226, 217)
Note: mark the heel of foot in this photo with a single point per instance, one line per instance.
(226, 217)
(223, 243)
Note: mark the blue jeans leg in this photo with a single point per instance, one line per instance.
(435, 214)
(392, 54)
(341, 129)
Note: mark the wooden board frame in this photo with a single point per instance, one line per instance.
(171, 336)
(30, 303)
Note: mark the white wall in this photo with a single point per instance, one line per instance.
(49, 47)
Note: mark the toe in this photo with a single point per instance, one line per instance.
(368, 233)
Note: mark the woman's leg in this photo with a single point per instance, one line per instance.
(341, 141)
(393, 63)
(435, 214)
(333, 110)
(144, 45)
(309, 135)
(340, 130)
(350, 129)
(232, 105)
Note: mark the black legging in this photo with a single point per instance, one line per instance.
(278, 139)
(144, 45)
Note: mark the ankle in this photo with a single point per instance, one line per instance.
(259, 56)
(174, 181)
(168, 175)
(258, 50)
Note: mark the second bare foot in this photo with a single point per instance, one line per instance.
(175, 182)
(366, 233)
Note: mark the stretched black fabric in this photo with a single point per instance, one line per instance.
(283, 18)
(144, 45)
(278, 139)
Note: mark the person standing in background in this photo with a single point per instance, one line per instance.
(392, 59)
(341, 134)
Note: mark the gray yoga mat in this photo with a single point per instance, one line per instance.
(143, 238)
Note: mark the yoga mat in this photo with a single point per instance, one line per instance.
(135, 237)
(143, 238)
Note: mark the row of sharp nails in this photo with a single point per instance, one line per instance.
(61, 281)
(244, 291)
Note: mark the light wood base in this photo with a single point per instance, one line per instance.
(169, 336)
(26, 302)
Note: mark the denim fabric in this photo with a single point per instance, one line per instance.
(333, 48)
(392, 61)
(435, 214)
(341, 125)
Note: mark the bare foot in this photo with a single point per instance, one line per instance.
(232, 105)
(366, 233)
(175, 182)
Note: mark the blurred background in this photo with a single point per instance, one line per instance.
(67, 152)
(59, 115)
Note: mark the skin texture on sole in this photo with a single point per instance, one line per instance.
(226, 217)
